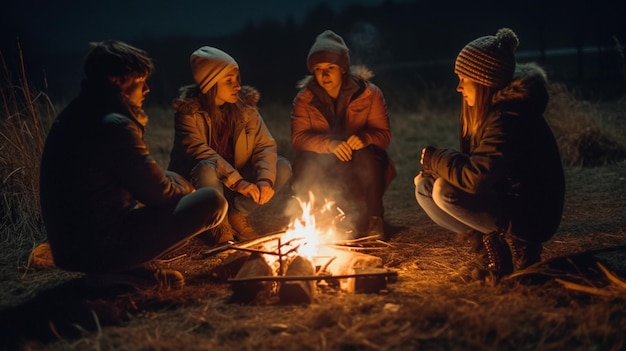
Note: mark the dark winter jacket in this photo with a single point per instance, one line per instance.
(95, 168)
(513, 155)
(253, 142)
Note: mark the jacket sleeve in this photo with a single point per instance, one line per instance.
(195, 145)
(130, 163)
(480, 170)
(377, 131)
(309, 129)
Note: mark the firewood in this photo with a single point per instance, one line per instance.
(255, 266)
(299, 291)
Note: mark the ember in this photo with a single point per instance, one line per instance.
(309, 254)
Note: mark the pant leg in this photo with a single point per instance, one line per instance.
(149, 232)
(424, 197)
(365, 175)
(455, 209)
(205, 175)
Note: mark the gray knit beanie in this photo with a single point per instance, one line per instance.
(489, 60)
(208, 65)
(329, 47)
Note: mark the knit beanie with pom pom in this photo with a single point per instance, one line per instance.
(489, 60)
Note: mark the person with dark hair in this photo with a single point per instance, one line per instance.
(109, 209)
(340, 131)
(222, 142)
(503, 191)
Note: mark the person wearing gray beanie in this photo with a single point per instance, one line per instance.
(329, 47)
(503, 190)
(340, 131)
(221, 141)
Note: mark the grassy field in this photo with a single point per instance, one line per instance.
(570, 302)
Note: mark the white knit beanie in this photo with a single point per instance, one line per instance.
(489, 60)
(328, 47)
(208, 65)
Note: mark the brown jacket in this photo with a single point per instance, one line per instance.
(252, 140)
(364, 114)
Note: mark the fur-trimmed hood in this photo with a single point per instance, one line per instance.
(527, 92)
(188, 101)
(359, 71)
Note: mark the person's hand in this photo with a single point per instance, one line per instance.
(355, 142)
(248, 189)
(341, 149)
(266, 192)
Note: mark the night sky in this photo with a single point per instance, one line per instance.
(67, 25)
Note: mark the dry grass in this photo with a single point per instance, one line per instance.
(431, 306)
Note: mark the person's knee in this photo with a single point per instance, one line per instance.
(208, 201)
(283, 173)
(423, 185)
(442, 192)
(369, 158)
(204, 174)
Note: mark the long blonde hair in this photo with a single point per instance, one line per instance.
(472, 116)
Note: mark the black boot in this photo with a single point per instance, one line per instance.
(497, 258)
(523, 253)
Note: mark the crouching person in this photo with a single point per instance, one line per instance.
(109, 209)
(503, 190)
(221, 141)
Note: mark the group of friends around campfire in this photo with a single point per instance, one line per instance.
(111, 211)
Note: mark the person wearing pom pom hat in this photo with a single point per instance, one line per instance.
(340, 131)
(221, 141)
(503, 190)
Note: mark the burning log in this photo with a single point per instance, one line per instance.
(347, 263)
(298, 291)
(247, 291)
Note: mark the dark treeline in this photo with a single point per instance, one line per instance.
(406, 43)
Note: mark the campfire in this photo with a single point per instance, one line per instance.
(312, 254)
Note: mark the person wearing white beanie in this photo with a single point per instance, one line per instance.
(340, 131)
(221, 141)
(503, 190)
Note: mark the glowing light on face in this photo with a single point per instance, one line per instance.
(135, 90)
(468, 88)
(329, 77)
(228, 88)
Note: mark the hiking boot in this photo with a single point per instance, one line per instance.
(523, 253)
(223, 233)
(242, 227)
(143, 278)
(492, 259)
(497, 258)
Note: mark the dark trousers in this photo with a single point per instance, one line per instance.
(356, 186)
(148, 233)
